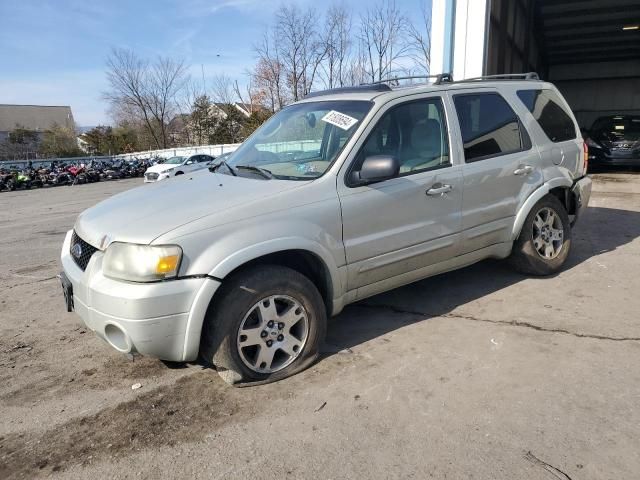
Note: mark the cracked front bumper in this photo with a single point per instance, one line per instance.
(162, 319)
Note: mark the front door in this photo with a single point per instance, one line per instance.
(394, 227)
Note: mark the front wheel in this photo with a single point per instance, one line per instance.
(545, 239)
(266, 323)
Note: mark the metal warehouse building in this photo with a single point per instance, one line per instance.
(589, 48)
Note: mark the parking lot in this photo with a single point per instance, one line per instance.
(479, 373)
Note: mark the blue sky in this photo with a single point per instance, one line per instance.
(53, 52)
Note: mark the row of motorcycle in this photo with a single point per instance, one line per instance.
(57, 174)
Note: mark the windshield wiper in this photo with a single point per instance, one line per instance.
(222, 162)
(262, 171)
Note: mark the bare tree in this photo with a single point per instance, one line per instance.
(251, 97)
(268, 74)
(336, 40)
(299, 47)
(355, 71)
(146, 90)
(382, 30)
(222, 89)
(419, 35)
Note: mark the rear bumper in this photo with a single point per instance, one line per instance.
(618, 159)
(582, 193)
(162, 319)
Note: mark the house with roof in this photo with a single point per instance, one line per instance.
(37, 118)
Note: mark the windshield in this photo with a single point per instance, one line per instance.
(175, 161)
(617, 129)
(301, 141)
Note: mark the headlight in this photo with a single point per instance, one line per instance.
(167, 170)
(141, 263)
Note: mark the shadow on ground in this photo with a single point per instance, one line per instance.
(601, 230)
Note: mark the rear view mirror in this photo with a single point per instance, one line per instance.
(377, 168)
(311, 120)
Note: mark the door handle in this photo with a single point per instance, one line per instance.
(439, 189)
(523, 170)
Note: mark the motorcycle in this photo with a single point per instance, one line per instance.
(59, 176)
(6, 179)
(77, 174)
(18, 179)
(35, 180)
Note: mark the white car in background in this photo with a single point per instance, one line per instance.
(177, 166)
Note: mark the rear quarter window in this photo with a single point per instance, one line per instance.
(546, 108)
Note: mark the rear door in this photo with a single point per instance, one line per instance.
(501, 168)
(393, 228)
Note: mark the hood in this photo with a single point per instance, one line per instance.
(144, 213)
(160, 167)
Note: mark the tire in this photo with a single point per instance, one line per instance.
(238, 308)
(179, 173)
(531, 254)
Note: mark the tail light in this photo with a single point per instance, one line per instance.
(586, 157)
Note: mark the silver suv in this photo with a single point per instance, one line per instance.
(343, 195)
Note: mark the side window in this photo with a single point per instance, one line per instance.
(204, 158)
(489, 126)
(415, 132)
(545, 106)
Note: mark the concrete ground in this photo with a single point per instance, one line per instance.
(480, 373)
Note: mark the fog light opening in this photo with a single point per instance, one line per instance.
(117, 338)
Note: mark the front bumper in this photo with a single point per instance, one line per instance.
(162, 319)
(156, 178)
(582, 193)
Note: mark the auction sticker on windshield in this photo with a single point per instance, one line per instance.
(340, 120)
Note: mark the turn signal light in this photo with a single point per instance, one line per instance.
(167, 264)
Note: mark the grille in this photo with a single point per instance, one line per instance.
(81, 251)
(151, 176)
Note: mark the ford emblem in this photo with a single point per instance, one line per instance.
(76, 250)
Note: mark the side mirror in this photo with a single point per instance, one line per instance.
(377, 168)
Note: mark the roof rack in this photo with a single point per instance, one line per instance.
(360, 88)
(440, 78)
(504, 76)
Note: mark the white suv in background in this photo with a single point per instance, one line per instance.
(177, 166)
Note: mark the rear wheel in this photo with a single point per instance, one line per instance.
(266, 323)
(545, 239)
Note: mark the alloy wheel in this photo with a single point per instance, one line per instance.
(548, 233)
(273, 334)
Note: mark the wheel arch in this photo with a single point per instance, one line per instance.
(561, 188)
(307, 261)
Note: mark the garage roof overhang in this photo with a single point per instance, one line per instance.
(589, 31)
